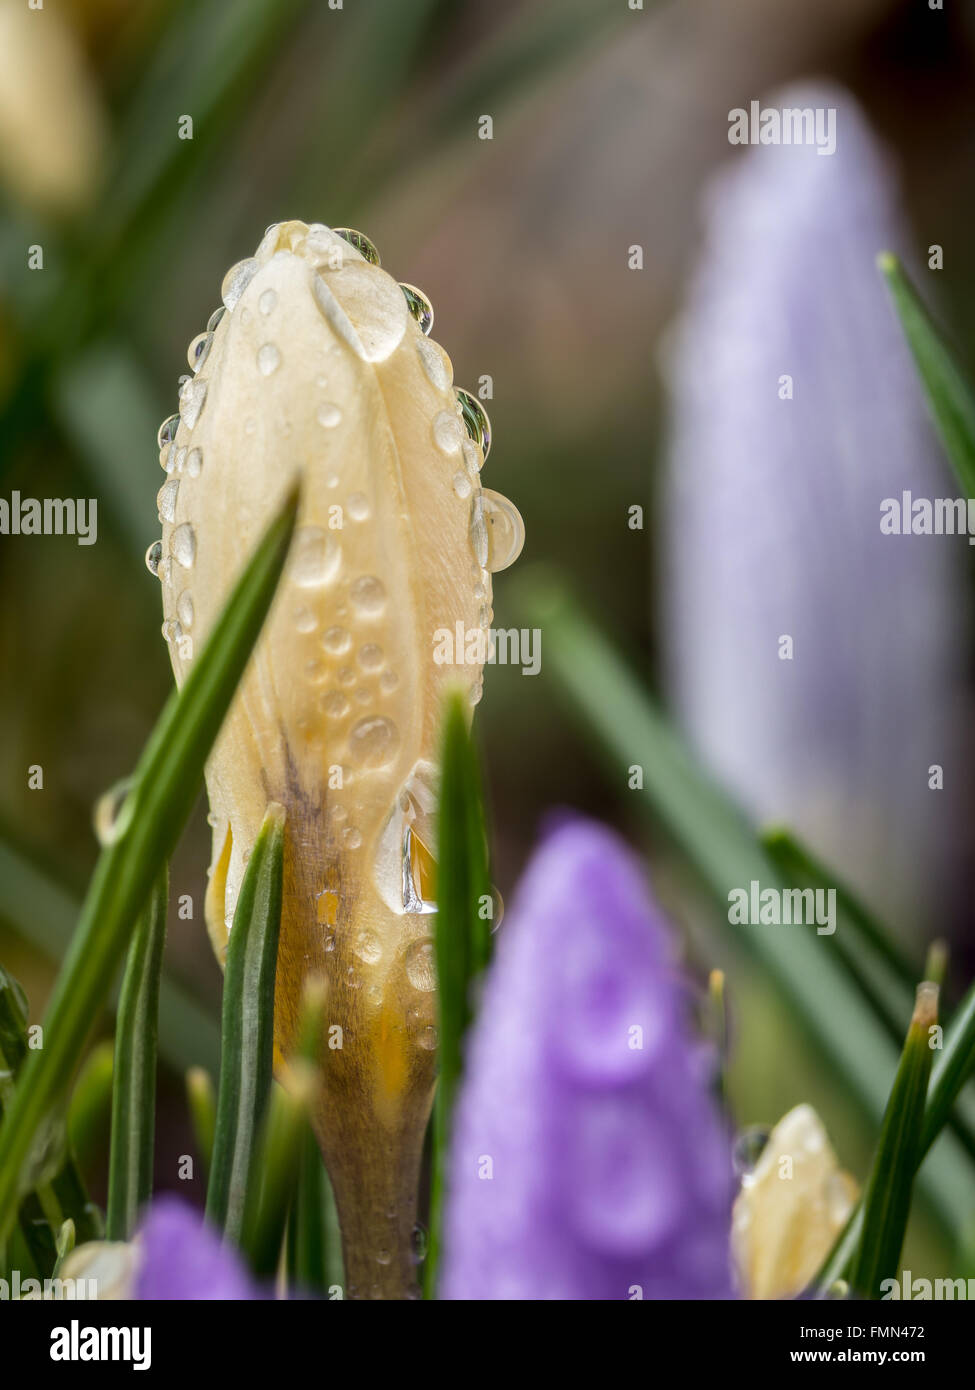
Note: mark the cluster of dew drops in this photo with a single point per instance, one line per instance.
(496, 529)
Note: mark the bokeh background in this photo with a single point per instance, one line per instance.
(608, 123)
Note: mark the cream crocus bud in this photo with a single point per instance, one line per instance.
(52, 125)
(318, 364)
(791, 1208)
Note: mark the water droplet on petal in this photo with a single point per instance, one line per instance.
(267, 301)
(183, 545)
(305, 620)
(419, 306)
(462, 485)
(236, 280)
(191, 401)
(328, 415)
(421, 966)
(335, 704)
(315, 557)
(427, 1038)
(371, 656)
(198, 349)
(475, 419)
(166, 499)
(368, 947)
(153, 557)
(336, 640)
(389, 680)
(194, 463)
(268, 357)
(418, 1243)
(748, 1149)
(436, 363)
(215, 318)
(368, 595)
(448, 432)
(361, 243)
(184, 608)
(357, 506)
(504, 528)
(167, 432)
(373, 742)
(353, 840)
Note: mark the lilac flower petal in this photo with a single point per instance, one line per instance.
(588, 1161)
(773, 518)
(183, 1258)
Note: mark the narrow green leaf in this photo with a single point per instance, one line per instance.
(887, 1199)
(163, 790)
(202, 1102)
(952, 1068)
(307, 1224)
(275, 1176)
(248, 1027)
(717, 840)
(462, 935)
(90, 1106)
(948, 392)
(134, 1078)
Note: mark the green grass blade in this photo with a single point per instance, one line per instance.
(307, 1224)
(90, 1107)
(163, 790)
(462, 936)
(272, 1187)
(248, 1027)
(723, 848)
(887, 1200)
(201, 1099)
(134, 1080)
(949, 395)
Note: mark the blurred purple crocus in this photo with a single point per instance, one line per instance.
(772, 522)
(183, 1258)
(588, 1160)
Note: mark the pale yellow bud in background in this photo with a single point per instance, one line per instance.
(318, 367)
(52, 125)
(790, 1209)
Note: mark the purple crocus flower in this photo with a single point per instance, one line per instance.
(772, 521)
(588, 1160)
(183, 1258)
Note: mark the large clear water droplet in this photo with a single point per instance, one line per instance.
(153, 558)
(475, 419)
(360, 241)
(421, 966)
(191, 401)
(268, 358)
(236, 280)
(368, 595)
(448, 432)
(167, 432)
(497, 531)
(436, 364)
(419, 306)
(316, 557)
(198, 349)
(373, 742)
(215, 318)
(166, 499)
(183, 545)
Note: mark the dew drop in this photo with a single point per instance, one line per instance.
(346, 676)
(475, 420)
(357, 506)
(418, 1243)
(462, 485)
(368, 947)
(268, 357)
(316, 557)
(371, 656)
(194, 463)
(184, 608)
(153, 557)
(336, 640)
(373, 742)
(166, 499)
(748, 1149)
(361, 243)
(198, 349)
(335, 704)
(215, 318)
(497, 531)
(191, 401)
(267, 301)
(316, 671)
(427, 1038)
(389, 680)
(419, 306)
(421, 966)
(328, 415)
(305, 620)
(167, 432)
(183, 545)
(448, 432)
(353, 840)
(236, 280)
(113, 813)
(368, 595)
(436, 363)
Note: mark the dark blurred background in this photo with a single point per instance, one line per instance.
(607, 124)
